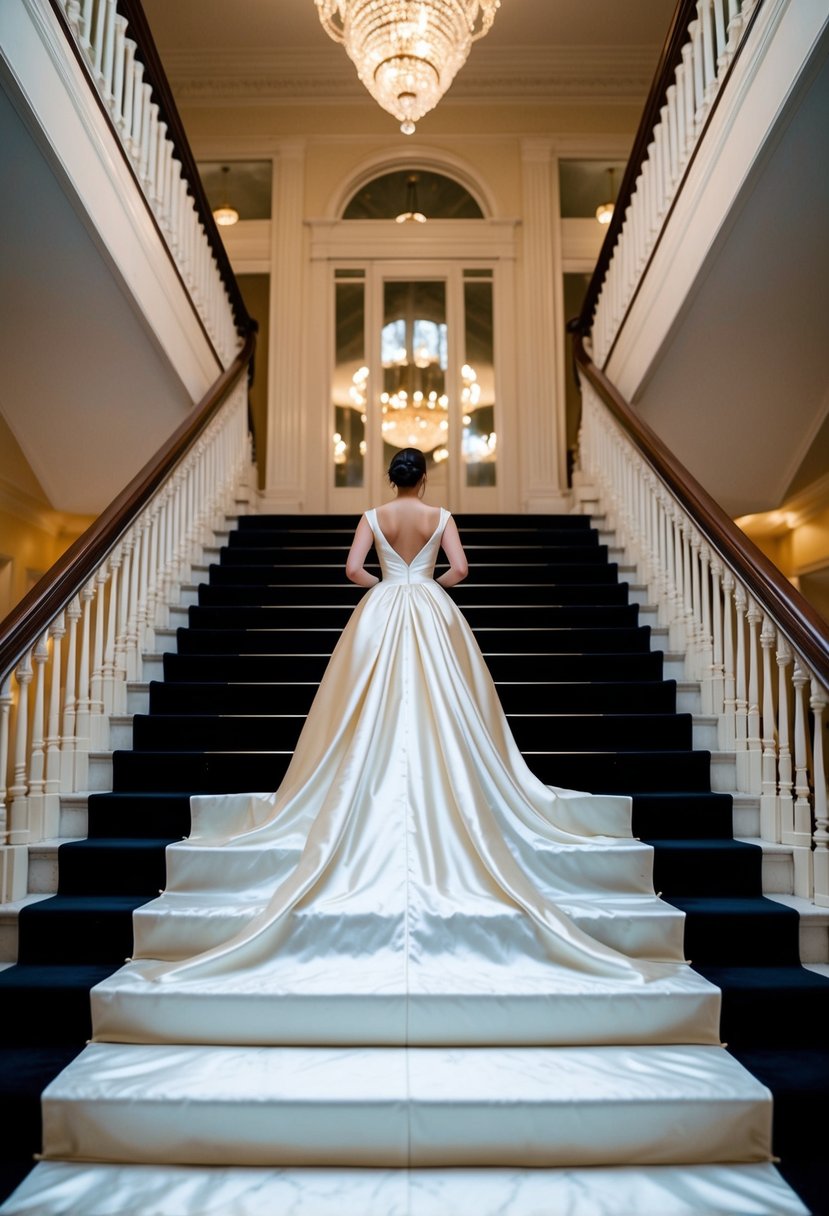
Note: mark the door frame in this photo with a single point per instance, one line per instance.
(442, 249)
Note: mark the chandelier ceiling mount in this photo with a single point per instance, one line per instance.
(407, 52)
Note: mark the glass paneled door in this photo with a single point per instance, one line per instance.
(414, 367)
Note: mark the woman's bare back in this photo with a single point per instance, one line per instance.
(407, 524)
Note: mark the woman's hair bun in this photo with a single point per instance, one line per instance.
(407, 467)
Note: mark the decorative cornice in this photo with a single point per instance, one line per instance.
(509, 76)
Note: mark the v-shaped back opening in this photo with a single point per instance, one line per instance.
(423, 547)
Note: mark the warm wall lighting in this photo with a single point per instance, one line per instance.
(604, 212)
(225, 215)
(407, 54)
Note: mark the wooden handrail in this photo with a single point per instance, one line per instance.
(669, 58)
(147, 52)
(28, 619)
(797, 619)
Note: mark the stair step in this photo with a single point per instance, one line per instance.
(280, 731)
(507, 616)
(119, 865)
(707, 867)
(78, 929)
(767, 1006)
(49, 1003)
(304, 667)
(491, 640)
(208, 772)
(472, 538)
(689, 816)
(139, 815)
(639, 925)
(642, 696)
(333, 573)
(65, 1189)
(287, 1106)
(480, 556)
(465, 593)
(749, 931)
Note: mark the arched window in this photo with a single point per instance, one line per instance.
(438, 197)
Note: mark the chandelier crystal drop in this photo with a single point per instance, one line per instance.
(407, 52)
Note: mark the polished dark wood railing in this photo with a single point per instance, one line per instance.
(803, 626)
(72, 571)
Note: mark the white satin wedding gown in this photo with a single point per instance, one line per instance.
(411, 881)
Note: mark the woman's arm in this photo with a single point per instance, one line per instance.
(354, 567)
(452, 547)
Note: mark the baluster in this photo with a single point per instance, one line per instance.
(735, 25)
(753, 740)
(769, 804)
(18, 811)
(821, 835)
(14, 860)
(717, 686)
(681, 131)
(108, 57)
(741, 700)
(147, 127)
(86, 27)
(119, 53)
(702, 592)
(134, 146)
(99, 728)
(689, 109)
(673, 135)
(785, 798)
(128, 105)
(720, 22)
(37, 751)
(109, 695)
(73, 16)
(98, 38)
(695, 30)
(160, 164)
(802, 834)
(83, 714)
(6, 700)
(51, 812)
(709, 63)
(67, 751)
(132, 650)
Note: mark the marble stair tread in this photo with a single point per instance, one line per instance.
(441, 998)
(181, 923)
(56, 1188)
(431, 1107)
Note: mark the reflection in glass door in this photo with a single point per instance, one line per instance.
(414, 366)
(414, 403)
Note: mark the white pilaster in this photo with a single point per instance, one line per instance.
(285, 465)
(541, 404)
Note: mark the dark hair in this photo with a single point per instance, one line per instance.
(407, 467)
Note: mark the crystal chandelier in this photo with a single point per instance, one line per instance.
(407, 52)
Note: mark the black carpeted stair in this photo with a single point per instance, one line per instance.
(589, 708)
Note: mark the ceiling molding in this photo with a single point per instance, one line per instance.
(509, 75)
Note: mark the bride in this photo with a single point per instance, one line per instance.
(411, 880)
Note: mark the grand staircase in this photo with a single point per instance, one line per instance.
(591, 708)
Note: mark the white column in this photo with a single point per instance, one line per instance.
(285, 490)
(541, 407)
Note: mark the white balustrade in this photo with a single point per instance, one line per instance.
(102, 35)
(713, 38)
(56, 703)
(753, 678)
